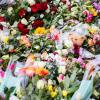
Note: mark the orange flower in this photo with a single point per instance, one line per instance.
(30, 71)
(42, 71)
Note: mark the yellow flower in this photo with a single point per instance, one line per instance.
(6, 39)
(53, 94)
(40, 30)
(93, 29)
(50, 88)
(64, 93)
(93, 11)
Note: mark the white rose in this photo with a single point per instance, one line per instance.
(15, 24)
(29, 9)
(32, 18)
(42, 15)
(9, 10)
(30, 27)
(41, 84)
(24, 21)
(62, 69)
(31, 2)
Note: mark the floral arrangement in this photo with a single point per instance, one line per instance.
(49, 49)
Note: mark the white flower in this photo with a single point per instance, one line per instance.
(41, 84)
(42, 15)
(29, 27)
(29, 9)
(48, 10)
(62, 69)
(15, 24)
(50, 82)
(9, 10)
(32, 18)
(31, 2)
(24, 21)
(13, 31)
(39, 63)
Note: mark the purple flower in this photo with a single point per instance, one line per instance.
(96, 6)
(80, 61)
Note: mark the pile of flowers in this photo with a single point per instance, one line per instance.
(49, 49)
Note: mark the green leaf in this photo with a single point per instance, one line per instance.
(73, 76)
(66, 82)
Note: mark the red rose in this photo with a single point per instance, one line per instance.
(34, 8)
(2, 19)
(39, 6)
(22, 12)
(22, 28)
(37, 23)
(44, 6)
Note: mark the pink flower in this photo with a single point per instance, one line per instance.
(89, 18)
(11, 67)
(1, 61)
(60, 77)
(80, 61)
(2, 73)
